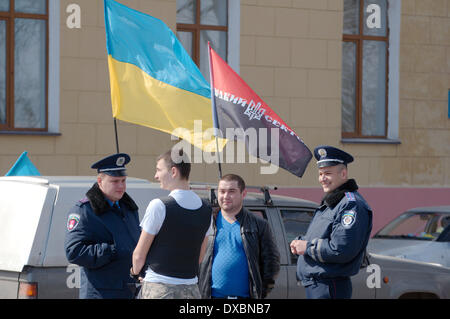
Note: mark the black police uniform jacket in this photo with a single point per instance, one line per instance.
(101, 240)
(337, 236)
(260, 249)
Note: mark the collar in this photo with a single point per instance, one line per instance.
(100, 204)
(239, 216)
(179, 190)
(333, 198)
(111, 203)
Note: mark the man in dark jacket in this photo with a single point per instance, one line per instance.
(102, 232)
(334, 245)
(242, 259)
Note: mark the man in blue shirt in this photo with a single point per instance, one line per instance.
(242, 259)
(229, 255)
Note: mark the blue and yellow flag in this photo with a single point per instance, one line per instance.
(154, 81)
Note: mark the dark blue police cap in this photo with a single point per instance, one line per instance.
(331, 156)
(113, 165)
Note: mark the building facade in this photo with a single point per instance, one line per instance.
(371, 77)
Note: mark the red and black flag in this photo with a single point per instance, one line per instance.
(237, 106)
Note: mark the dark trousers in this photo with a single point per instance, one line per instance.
(330, 289)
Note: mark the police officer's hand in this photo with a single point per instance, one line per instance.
(298, 247)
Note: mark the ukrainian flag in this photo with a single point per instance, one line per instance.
(154, 81)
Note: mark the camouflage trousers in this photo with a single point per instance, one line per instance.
(152, 290)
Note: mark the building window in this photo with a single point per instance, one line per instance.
(365, 69)
(24, 50)
(200, 22)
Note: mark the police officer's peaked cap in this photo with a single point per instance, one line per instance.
(331, 156)
(113, 165)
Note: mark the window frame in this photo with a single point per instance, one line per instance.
(233, 35)
(359, 39)
(197, 27)
(10, 17)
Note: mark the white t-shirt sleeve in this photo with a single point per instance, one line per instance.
(154, 217)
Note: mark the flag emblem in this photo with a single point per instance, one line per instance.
(348, 218)
(255, 111)
(322, 152)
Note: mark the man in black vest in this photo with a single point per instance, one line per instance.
(174, 234)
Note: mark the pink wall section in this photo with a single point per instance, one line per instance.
(386, 202)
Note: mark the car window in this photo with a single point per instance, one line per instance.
(425, 226)
(296, 224)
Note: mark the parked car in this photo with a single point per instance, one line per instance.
(34, 211)
(421, 234)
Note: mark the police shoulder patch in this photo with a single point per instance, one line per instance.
(82, 201)
(348, 218)
(73, 221)
(350, 196)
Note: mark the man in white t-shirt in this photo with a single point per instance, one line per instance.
(174, 234)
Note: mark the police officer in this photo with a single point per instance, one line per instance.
(102, 232)
(334, 245)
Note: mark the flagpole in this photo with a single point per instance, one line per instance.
(117, 138)
(214, 111)
(218, 158)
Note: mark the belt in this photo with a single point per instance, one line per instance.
(230, 297)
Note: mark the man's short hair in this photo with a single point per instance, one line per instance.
(177, 158)
(235, 178)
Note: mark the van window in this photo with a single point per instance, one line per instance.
(296, 224)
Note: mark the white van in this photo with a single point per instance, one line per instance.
(33, 215)
(33, 264)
